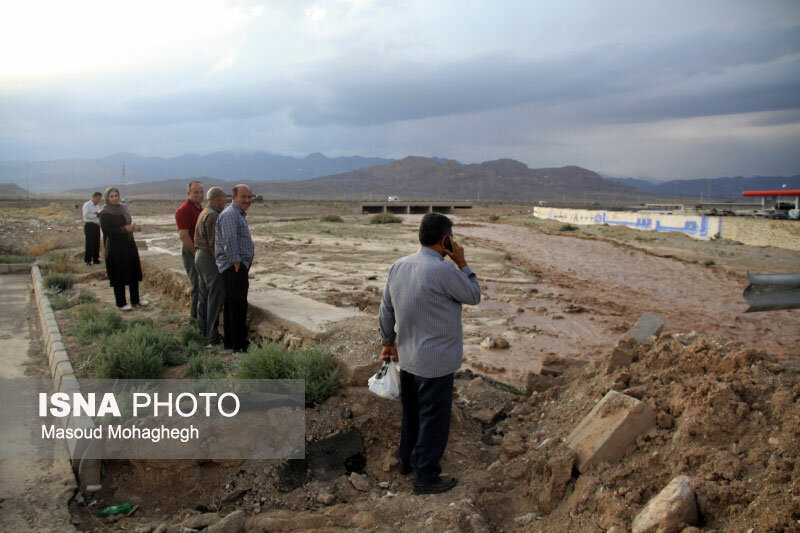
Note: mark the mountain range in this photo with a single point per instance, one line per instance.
(420, 178)
(57, 175)
(356, 177)
(730, 188)
(426, 178)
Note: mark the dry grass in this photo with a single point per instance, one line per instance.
(60, 262)
(48, 243)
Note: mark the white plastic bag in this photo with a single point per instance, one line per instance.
(386, 381)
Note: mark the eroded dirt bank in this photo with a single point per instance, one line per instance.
(726, 417)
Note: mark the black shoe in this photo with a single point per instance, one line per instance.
(96, 262)
(443, 485)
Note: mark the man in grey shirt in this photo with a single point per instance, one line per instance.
(420, 325)
(212, 293)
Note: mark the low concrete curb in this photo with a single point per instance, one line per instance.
(11, 268)
(87, 471)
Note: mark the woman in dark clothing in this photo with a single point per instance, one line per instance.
(120, 252)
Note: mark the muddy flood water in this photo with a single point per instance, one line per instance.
(546, 294)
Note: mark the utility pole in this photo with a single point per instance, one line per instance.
(124, 188)
(27, 186)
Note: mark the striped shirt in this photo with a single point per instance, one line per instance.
(423, 298)
(233, 242)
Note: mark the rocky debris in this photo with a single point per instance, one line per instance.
(200, 521)
(621, 355)
(514, 444)
(232, 523)
(535, 382)
(610, 428)
(359, 482)
(495, 342)
(557, 472)
(648, 325)
(484, 402)
(670, 510)
(326, 498)
(551, 365)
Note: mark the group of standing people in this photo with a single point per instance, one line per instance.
(217, 253)
(419, 318)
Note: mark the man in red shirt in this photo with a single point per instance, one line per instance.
(186, 217)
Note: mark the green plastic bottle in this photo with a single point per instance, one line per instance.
(124, 508)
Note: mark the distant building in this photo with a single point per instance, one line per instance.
(773, 198)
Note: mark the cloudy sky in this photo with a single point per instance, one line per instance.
(656, 89)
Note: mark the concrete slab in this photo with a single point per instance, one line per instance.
(649, 324)
(610, 428)
(304, 316)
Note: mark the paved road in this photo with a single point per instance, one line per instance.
(33, 494)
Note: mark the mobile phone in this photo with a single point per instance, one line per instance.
(448, 245)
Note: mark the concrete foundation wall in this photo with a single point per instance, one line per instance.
(752, 231)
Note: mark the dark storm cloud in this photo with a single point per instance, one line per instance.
(696, 76)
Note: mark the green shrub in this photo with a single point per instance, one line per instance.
(710, 262)
(13, 259)
(141, 321)
(331, 218)
(190, 333)
(205, 367)
(385, 218)
(494, 218)
(315, 366)
(58, 282)
(94, 324)
(193, 349)
(319, 370)
(568, 227)
(266, 361)
(62, 301)
(86, 312)
(140, 352)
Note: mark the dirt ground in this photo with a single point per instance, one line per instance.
(724, 383)
(546, 292)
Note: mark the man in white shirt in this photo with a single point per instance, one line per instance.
(91, 230)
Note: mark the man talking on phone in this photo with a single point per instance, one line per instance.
(420, 325)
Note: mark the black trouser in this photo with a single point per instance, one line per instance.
(426, 423)
(119, 293)
(91, 251)
(235, 313)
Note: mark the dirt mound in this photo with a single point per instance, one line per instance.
(727, 417)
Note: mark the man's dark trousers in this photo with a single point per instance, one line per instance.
(426, 423)
(91, 252)
(235, 312)
(194, 280)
